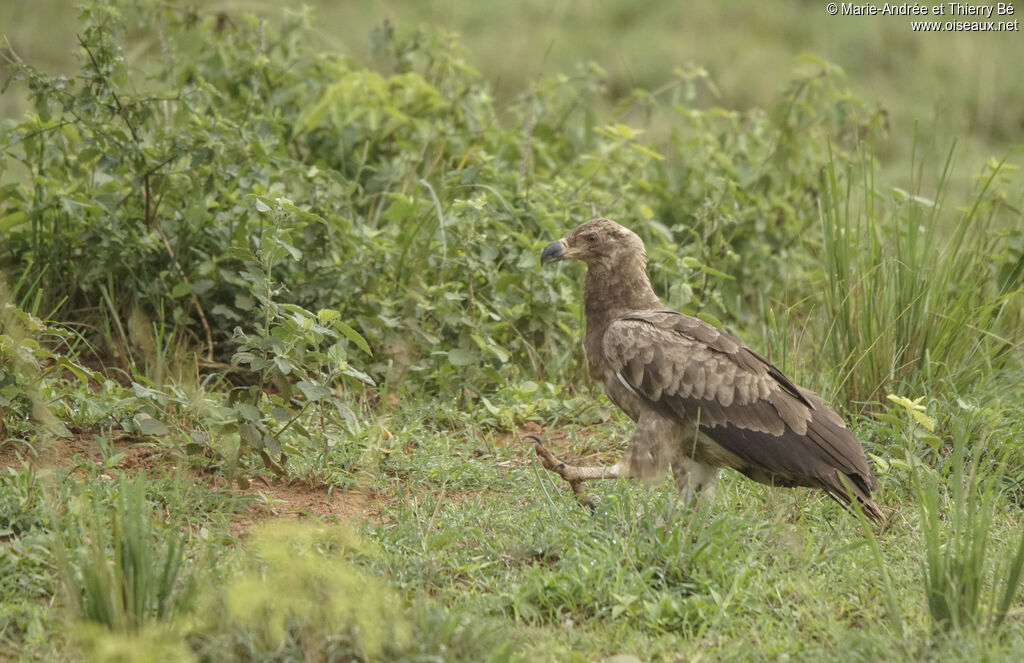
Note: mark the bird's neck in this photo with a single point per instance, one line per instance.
(610, 293)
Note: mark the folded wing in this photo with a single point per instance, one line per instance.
(687, 370)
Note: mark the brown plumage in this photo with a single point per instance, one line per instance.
(700, 398)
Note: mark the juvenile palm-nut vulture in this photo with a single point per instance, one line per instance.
(700, 398)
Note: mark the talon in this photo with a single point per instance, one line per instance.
(552, 464)
(547, 459)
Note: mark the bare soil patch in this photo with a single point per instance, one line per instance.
(298, 500)
(589, 445)
(270, 499)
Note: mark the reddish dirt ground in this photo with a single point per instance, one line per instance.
(298, 500)
(274, 498)
(585, 446)
(271, 499)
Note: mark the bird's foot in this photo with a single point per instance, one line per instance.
(548, 459)
(567, 472)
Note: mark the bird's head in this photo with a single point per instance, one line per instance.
(597, 242)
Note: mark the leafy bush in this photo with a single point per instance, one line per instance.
(31, 371)
(423, 213)
(297, 591)
(26, 561)
(290, 345)
(743, 190)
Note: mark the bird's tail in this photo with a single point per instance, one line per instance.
(847, 489)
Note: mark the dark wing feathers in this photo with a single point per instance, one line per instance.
(688, 370)
(740, 355)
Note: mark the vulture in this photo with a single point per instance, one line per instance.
(700, 398)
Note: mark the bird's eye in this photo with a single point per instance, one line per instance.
(592, 237)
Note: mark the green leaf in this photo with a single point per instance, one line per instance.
(248, 411)
(643, 149)
(251, 435)
(313, 392)
(528, 387)
(359, 375)
(82, 373)
(489, 346)
(710, 319)
(284, 365)
(490, 406)
(890, 418)
(622, 131)
(693, 263)
(281, 414)
(881, 464)
(11, 220)
(461, 357)
(180, 290)
(150, 426)
(326, 315)
(352, 335)
(294, 252)
(272, 445)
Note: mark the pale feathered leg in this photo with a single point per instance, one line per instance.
(693, 479)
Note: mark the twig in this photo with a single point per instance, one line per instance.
(195, 298)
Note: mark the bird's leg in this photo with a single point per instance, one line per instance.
(574, 474)
(693, 478)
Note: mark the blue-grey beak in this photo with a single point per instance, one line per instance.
(552, 252)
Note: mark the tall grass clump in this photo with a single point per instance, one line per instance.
(124, 574)
(913, 292)
(970, 577)
(125, 581)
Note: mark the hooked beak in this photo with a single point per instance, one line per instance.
(553, 252)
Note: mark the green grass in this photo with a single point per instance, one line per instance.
(309, 276)
(477, 538)
(908, 303)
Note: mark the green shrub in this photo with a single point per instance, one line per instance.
(742, 191)
(31, 372)
(296, 590)
(423, 208)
